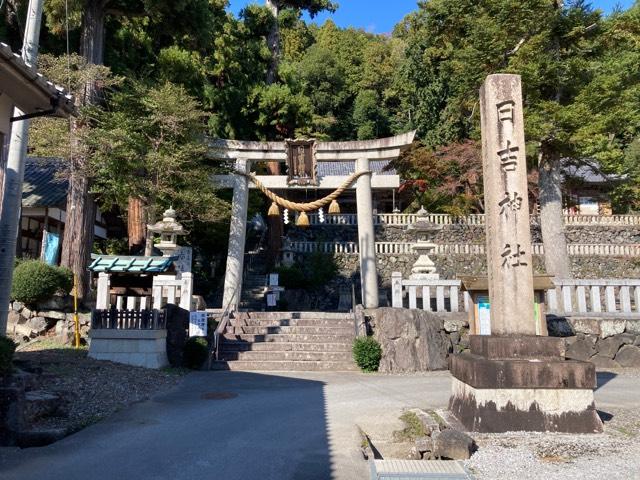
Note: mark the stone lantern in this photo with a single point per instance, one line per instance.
(288, 255)
(169, 229)
(424, 268)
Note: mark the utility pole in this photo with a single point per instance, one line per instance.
(14, 173)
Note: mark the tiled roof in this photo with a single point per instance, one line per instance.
(64, 100)
(43, 184)
(347, 168)
(115, 263)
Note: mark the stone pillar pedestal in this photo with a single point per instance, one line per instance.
(237, 237)
(524, 383)
(366, 237)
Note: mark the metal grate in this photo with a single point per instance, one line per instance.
(418, 470)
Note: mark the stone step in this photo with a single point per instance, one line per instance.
(293, 322)
(40, 404)
(323, 330)
(40, 437)
(294, 315)
(285, 366)
(292, 337)
(235, 346)
(287, 356)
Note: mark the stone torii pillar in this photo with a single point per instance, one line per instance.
(366, 237)
(237, 237)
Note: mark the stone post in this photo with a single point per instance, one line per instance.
(396, 290)
(102, 296)
(366, 237)
(509, 260)
(237, 236)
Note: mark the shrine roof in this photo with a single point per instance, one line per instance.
(130, 264)
(43, 184)
(29, 89)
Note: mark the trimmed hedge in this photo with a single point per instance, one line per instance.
(35, 281)
(7, 348)
(367, 353)
(195, 352)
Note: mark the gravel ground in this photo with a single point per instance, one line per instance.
(91, 389)
(615, 454)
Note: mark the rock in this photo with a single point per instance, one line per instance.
(633, 327)
(429, 424)
(454, 445)
(559, 326)
(569, 340)
(455, 324)
(54, 314)
(629, 356)
(611, 327)
(37, 324)
(627, 338)
(14, 317)
(411, 340)
(414, 454)
(17, 306)
(608, 347)
(637, 341)
(601, 361)
(57, 302)
(424, 444)
(589, 326)
(581, 349)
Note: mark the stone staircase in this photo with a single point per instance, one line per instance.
(290, 341)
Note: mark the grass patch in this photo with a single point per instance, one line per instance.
(413, 428)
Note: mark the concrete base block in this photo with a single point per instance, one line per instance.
(141, 348)
(524, 409)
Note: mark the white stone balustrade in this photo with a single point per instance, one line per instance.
(599, 297)
(401, 248)
(403, 219)
(435, 295)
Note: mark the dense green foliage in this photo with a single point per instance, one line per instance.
(7, 348)
(195, 352)
(367, 353)
(35, 281)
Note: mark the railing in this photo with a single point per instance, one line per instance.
(429, 295)
(598, 296)
(403, 219)
(128, 319)
(594, 297)
(404, 248)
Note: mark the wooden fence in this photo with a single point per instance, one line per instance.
(128, 319)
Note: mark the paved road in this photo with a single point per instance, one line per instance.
(280, 427)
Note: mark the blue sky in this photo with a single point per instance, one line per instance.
(380, 16)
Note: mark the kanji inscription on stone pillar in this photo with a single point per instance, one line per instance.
(509, 261)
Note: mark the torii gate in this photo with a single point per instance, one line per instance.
(359, 152)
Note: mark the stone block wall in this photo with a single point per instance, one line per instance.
(53, 318)
(607, 342)
(141, 348)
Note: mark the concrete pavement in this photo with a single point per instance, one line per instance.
(279, 426)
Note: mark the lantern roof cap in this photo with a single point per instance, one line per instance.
(168, 224)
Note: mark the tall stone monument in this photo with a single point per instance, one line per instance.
(512, 379)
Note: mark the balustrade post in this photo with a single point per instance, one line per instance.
(396, 290)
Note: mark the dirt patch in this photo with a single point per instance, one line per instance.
(89, 389)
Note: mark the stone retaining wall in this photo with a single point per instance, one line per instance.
(417, 341)
(141, 348)
(463, 234)
(53, 318)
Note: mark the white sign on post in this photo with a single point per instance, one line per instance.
(198, 324)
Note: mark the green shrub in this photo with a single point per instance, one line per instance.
(7, 348)
(35, 281)
(195, 352)
(367, 353)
